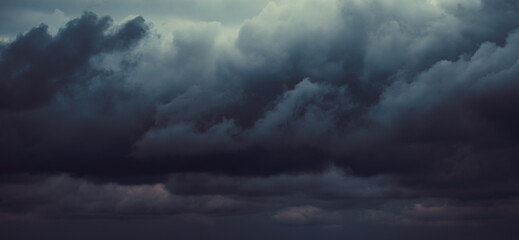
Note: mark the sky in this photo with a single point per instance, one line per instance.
(236, 119)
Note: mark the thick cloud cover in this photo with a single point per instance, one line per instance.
(313, 112)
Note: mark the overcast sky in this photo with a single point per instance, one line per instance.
(236, 119)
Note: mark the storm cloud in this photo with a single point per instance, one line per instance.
(308, 113)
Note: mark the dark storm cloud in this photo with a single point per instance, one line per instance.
(62, 196)
(421, 95)
(36, 65)
(444, 112)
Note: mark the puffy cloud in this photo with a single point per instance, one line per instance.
(36, 65)
(420, 94)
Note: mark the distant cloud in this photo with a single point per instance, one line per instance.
(307, 215)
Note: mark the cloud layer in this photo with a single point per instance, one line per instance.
(312, 112)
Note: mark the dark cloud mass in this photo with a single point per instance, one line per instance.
(317, 114)
(36, 65)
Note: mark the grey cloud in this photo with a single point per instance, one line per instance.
(443, 212)
(442, 108)
(332, 184)
(305, 115)
(249, 91)
(418, 93)
(307, 215)
(36, 65)
(62, 196)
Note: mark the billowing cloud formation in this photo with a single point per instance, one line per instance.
(401, 103)
(36, 65)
